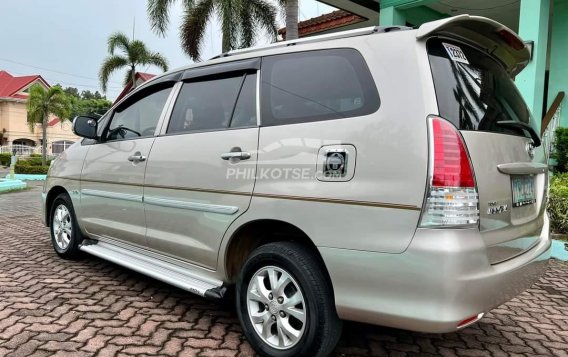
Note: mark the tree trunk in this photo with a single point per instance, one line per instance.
(44, 140)
(291, 19)
(133, 78)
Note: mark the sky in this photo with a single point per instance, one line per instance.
(65, 41)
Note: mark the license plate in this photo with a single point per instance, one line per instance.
(523, 190)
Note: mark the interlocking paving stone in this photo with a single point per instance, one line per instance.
(50, 306)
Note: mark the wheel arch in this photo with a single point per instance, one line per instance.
(256, 233)
(51, 195)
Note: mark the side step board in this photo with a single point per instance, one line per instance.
(157, 269)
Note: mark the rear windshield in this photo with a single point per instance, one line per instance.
(474, 91)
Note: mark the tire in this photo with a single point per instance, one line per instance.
(65, 233)
(299, 276)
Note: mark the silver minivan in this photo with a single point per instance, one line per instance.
(386, 175)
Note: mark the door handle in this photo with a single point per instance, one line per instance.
(137, 157)
(241, 155)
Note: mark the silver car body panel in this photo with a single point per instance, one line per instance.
(383, 269)
(443, 277)
(197, 177)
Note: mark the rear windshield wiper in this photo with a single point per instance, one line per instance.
(521, 125)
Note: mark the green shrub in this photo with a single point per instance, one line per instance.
(560, 153)
(35, 155)
(5, 159)
(33, 161)
(22, 167)
(558, 203)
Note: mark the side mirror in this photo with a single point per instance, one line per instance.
(85, 127)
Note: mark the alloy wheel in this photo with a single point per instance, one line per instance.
(276, 307)
(62, 226)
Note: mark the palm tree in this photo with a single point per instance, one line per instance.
(291, 8)
(135, 54)
(240, 21)
(41, 104)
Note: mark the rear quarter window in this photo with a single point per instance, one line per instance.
(316, 85)
(473, 90)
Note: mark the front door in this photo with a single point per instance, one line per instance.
(113, 173)
(200, 173)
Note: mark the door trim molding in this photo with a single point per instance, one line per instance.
(268, 195)
(194, 206)
(111, 195)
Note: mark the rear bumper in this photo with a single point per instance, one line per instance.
(442, 278)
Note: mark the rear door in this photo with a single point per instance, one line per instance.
(201, 171)
(475, 93)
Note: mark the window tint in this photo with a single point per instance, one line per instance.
(210, 104)
(138, 119)
(475, 92)
(316, 85)
(245, 110)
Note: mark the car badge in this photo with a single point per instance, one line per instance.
(530, 149)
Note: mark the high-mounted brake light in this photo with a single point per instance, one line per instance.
(511, 39)
(452, 198)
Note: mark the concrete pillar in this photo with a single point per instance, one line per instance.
(391, 16)
(533, 26)
(558, 76)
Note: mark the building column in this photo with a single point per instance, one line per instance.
(533, 26)
(558, 76)
(391, 16)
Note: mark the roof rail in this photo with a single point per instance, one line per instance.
(320, 38)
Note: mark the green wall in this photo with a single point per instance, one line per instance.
(533, 26)
(558, 76)
(401, 15)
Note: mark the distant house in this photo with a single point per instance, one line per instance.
(140, 78)
(338, 20)
(14, 130)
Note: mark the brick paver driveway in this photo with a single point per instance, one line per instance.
(91, 307)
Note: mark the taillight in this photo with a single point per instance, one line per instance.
(452, 198)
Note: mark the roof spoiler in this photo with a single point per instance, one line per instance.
(497, 39)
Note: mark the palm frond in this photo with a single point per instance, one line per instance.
(247, 32)
(264, 15)
(137, 52)
(110, 64)
(228, 12)
(118, 40)
(59, 104)
(35, 107)
(156, 59)
(128, 76)
(159, 15)
(193, 27)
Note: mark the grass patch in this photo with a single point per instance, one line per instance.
(562, 237)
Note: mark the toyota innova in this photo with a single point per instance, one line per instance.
(386, 175)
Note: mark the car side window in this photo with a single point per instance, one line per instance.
(137, 119)
(244, 114)
(215, 104)
(316, 85)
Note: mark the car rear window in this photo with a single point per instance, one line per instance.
(473, 90)
(316, 85)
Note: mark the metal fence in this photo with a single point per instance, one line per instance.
(20, 150)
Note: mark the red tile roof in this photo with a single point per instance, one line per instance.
(335, 19)
(10, 85)
(53, 121)
(139, 75)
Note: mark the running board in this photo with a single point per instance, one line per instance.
(157, 269)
